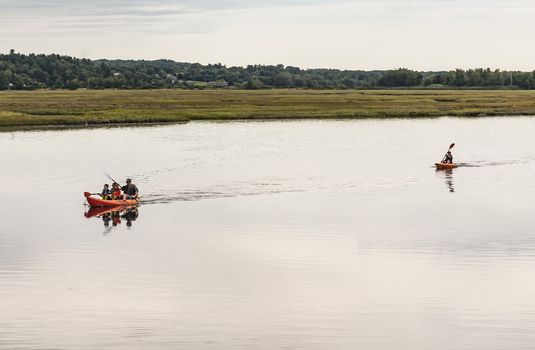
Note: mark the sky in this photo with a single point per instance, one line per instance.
(344, 34)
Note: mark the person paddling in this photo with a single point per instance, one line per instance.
(130, 190)
(106, 192)
(115, 191)
(448, 159)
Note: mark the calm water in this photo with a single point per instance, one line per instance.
(272, 235)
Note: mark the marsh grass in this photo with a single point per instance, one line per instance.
(89, 107)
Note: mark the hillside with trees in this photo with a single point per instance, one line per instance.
(39, 71)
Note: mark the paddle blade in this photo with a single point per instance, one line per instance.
(451, 146)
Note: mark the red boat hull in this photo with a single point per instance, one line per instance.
(95, 202)
(444, 166)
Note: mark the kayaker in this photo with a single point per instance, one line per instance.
(448, 159)
(130, 190)
(106, 192)
(115, 191)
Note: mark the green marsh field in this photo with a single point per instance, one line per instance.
(93, 107)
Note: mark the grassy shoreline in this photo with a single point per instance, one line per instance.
(44, 108)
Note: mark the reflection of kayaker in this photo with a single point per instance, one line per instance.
(114, 214)
(115, 218)
(447, 161)
(130, 214)
(100, 211)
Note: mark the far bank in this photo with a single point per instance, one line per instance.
(94, 107)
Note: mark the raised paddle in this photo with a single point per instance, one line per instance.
(109, 177)
(443, 159)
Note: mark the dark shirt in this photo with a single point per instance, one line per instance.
(130, 190)
(106, 192)
(449, 159)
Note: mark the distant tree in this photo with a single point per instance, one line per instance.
(8, 75)
(283, 80)
(40, 75)
(347, 83)
(459, 78)
(525, 80)
(400, 77)
(19, 71)
(73, 84)
(254, 84)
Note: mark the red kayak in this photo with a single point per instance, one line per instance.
(444, 166)
(95, 202)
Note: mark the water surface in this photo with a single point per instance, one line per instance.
(272, 235)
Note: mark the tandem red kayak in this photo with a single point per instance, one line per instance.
(95, 202)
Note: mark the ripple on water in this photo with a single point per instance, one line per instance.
(359, 244)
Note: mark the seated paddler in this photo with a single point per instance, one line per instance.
(448, 159)
(130, 190)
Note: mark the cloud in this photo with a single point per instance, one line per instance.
(147, 8)
(18, 9)
(353, 34)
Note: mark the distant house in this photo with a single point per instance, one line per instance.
(218, 84)
(117, 74)
(202, 84)
(173, 79)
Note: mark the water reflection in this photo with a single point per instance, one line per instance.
(448, 178)
(114, 216)
(323, 266)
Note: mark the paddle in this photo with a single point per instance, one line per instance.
(109, 177)
(443, 159)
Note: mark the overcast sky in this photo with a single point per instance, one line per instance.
(357, 34)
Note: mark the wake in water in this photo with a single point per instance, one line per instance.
(154, 198)
(484, 163)
(171, 184)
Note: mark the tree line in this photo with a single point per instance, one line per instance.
(40, 71)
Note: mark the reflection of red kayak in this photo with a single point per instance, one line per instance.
(95, 202)
(443, 166)
(98, 211)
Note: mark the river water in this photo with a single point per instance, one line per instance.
(271, 235)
